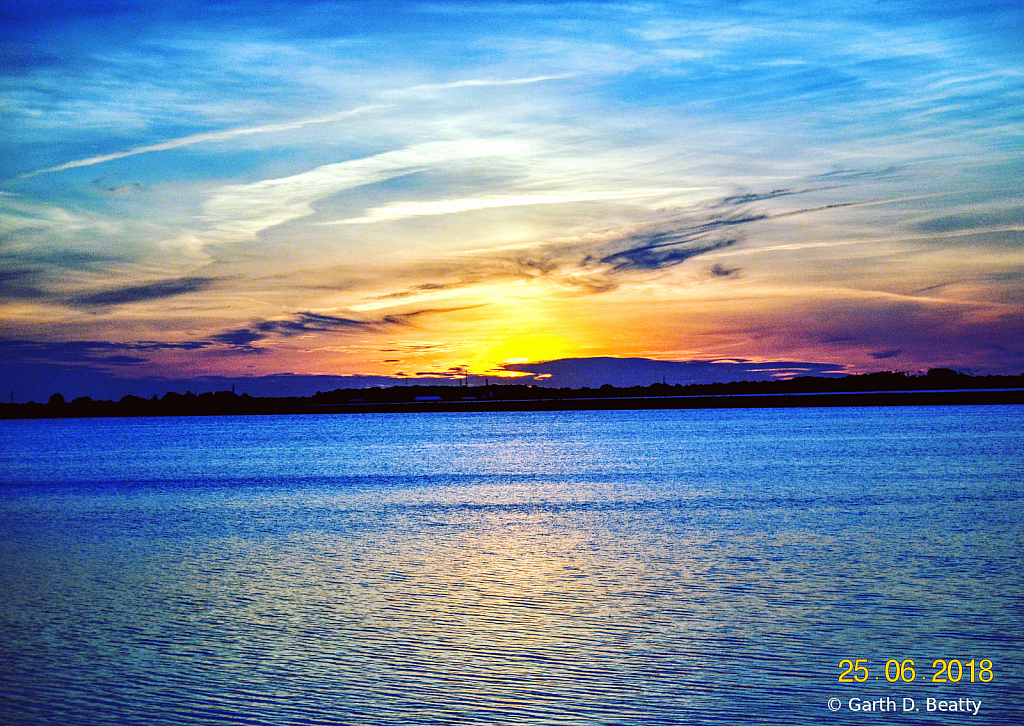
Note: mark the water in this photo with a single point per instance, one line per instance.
(592, 567)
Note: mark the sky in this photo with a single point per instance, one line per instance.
(376, 192)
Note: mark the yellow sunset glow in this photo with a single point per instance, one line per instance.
(520, 349)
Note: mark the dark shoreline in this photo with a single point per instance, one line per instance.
(801, 400)
(271, 406)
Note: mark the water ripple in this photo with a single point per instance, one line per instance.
(594, 568)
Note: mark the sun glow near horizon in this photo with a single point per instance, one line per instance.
(493, 356)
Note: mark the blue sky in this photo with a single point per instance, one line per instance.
(416, 189)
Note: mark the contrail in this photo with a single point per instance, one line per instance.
(479, 82)
(285, 126)
(870, 203)
(208, 137)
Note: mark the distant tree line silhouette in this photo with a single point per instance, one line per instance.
(509, 396)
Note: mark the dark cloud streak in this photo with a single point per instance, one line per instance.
(78, 352)
(977, 220)
(663, 252)
(305, 323)
(680, 240)
(721, 271)
(142, 293)
(21, 284)
(28, 275)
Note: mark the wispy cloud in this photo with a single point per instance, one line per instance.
(602, 262)
(597, 262)
(18, 214)
(406, 210)
(209, 137)
(242, 211)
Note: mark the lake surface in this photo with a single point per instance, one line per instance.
(589, 567)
